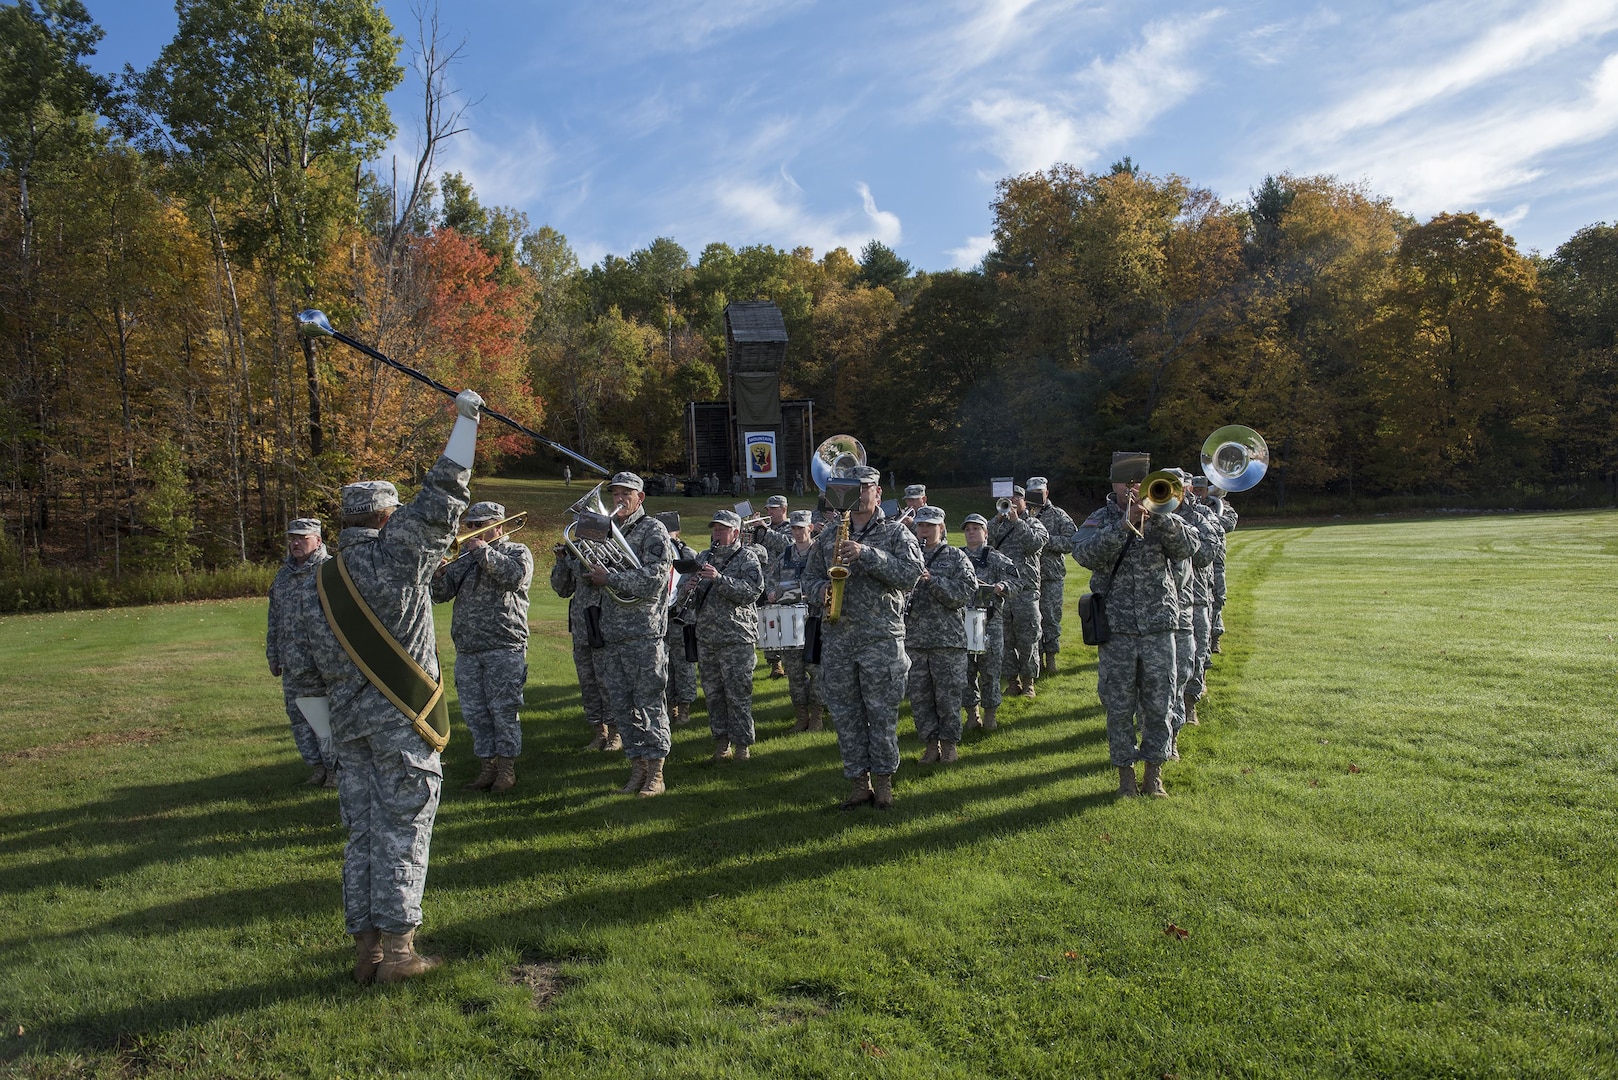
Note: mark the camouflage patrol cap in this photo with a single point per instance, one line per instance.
(916, 491)
(303, 527)
(930, 515)
(1200, 482)
(776, 500)
(974, 519)
(1130, 466)
(865, 474)
(1038, 483)
(368, 496)
(1019, 491)
(726, 517)
(627, 480)
(804, 518)
(484, 511)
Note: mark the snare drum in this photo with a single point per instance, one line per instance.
(977, 630)
(780, 626)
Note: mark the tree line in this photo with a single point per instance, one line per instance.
(162, 228)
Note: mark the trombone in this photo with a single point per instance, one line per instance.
(510, 523)
(1160, 493)
(595, 540)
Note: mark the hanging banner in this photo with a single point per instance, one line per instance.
(760, 447)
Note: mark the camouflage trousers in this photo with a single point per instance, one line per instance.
(983, 672)
(1135, 679)
(1050, 613)
(1185, 654)
(1218, 602)
(727, 686)
(863, 686)
(1202, 624)
(936, 685)
(635, 677)
(1021, 614)
(490, 686)
(594, 697)
(803, 680)
(311, 747)
(387, 792)
(682, 688)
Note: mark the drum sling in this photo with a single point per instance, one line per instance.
(380, 657)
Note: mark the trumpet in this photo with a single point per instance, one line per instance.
(510, 523)
(595, 540)
(1002, 507)
(1160, 493)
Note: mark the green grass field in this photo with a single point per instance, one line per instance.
(1392, 842)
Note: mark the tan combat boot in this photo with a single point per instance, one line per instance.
(744, 753)
(331, 779)
(861, 793)
(367, 955)
(1028, 689)
(1049, 665)
(614, 740)
(654, 778)
(974, 719)
(947, 753)
(600, 739)
(777, 669)
(1127, 788)
(816, 723)
(802, 712)
(721, 748)
(1191, 711)
(1154, 780)
(882, 790)
(989, 722)
(929, 756)
(637, 776)
(317, 776)
(505, 774)
(682, 713)
(1213, 647)
(1013, 686)
(401, 961)
(484, 778)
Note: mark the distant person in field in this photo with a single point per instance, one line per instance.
(489, 584)
(1136, 665)
(305, 552)
(567, 476)
(1059, 530)
(370, 644)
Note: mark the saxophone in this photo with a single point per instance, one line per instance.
(837, 571)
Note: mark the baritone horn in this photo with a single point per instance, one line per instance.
(1235, 458)
(833, 470)
(510, 523)
(595, 540)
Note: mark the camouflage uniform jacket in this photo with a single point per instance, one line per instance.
(1142, 597)
(285, 609)
(1227, 521)
(490, 590)
(392, 569)
(1021, 541)
(787, 567)
(774, 539)
(1211, 535)
(726, 611)
(680, 550)
(933, 614)
(992, 568)
(1059, 530)
(633, 622)
(873, 595)
(568, 581)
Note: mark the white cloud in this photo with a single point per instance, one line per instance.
(776, 213)
(511, 170)
(972, 252)
(641, 27)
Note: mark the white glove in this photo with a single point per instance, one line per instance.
(468, 403)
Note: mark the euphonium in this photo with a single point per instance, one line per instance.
(593, 537)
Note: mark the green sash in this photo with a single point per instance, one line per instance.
(379, 655)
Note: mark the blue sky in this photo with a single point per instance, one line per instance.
(797, 122)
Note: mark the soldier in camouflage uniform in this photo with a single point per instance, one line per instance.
(1021, 538)
(725, 590)
(773, 536)
(388, 776)
(682, 689)
(1136, 666)
(862, 658)
(305, 553)
(1212, 534)
(1059, 530)
(998, 579)
(633, 664)
(935, 639)
(1227, 518)
(489, 584)
(568, 581)
(783, 584)
(1185, 635)
(915, 498)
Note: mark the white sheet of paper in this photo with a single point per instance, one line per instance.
(317, 710)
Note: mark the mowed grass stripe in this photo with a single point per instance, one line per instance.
(1444, 910)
